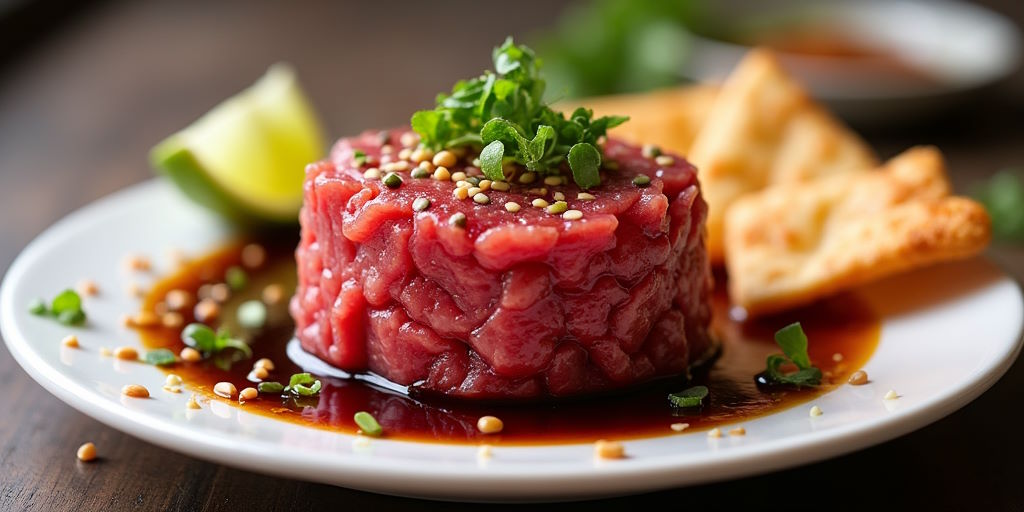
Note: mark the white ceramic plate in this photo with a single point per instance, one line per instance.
(948, 334)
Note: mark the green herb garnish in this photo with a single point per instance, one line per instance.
(793, 342)
(1003, 197)
(236, 278)
(270, 387)
(368, 424)
(160, 357)
(689, 397)
(303, 384)
(66, 308)
(202, 338)
(359, 158)
(502, 113)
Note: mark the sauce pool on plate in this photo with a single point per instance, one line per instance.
(843, 334)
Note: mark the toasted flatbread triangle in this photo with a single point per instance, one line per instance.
(667, 118)
(791, 244)
(764, 129)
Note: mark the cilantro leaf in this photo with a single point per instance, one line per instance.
(793, 342)
(490, 160)
(585, 161)
(689, 397)
(160, 357)
(202, 338)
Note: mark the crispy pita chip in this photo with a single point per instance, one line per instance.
(669, 118)
(791, 244)
(764, 129)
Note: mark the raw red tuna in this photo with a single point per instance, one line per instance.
(519, 305)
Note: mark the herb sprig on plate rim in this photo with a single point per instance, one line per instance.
(502, 112)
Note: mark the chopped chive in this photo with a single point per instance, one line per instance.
(270, 387)
(420, 172)
(392, 180)
(252, 314)
(458, 220)
(38, 307)
(160, 357)
(368, 424)
(359, 158)
(642, 180)
(421, 204)
(236, 278)
(690, 397)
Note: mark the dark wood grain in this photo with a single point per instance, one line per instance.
(80, 110)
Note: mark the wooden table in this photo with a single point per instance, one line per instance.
(79, 110)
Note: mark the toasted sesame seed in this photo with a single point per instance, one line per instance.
(143, 319)
(609, 449)
(445, 158)
(837, 357)
(485, 185)
(442, 174)
(219, 292)
(138, 263)
(192, 403)
(178, 300)
(88, 287)
(891, 395)
(419, 173)
(126, 353)
(421, 154)
(264, 363)
(858, 378)
(489, 425)
(172, 389)
(426, 165)
(585, 196)
(190, 355)
(420, 204)
(664, 160)
(815, 411)
(135, 391)
(273, 294)
(650, 151)
(405, 153)
(558, 196)
(463, 184)
(206, 311)
(472, 191)
(247, 394)
(512, 206)
(86, 452)
(527, 177)
(253, 256)
(642, 180)
(225, 389)
(257, 375)
(538, 191)
(715, 433)
(409, 139)
(558, 207)
(679, 427)
(539, 203)
(461, 192)
(500, 186)
(372, 173)
(481, 198)
(572, 215)
(387, 149)
(738, 431)
(458, 176)
(172, 320)
(172, 380)
(70, 341)
(553, 180)
(458, 220)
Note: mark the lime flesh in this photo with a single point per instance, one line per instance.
(246, 158)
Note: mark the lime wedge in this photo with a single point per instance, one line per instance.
(246, 158)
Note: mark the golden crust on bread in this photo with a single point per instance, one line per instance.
(667, 118)
(764, 129)
(791, 244)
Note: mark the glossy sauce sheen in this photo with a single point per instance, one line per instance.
(839, 326)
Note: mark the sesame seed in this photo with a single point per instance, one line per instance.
(387, 149)
(461, 192)
(558, 196)
(501, 186)
(537, 191)
(481, 198)
(442, 174)
(225, 389)
(88, 287)
(192, 403)
(558, 207)
(253, 256)
(126, 353)
(485, 185)
(206, 311)
(190, 355)
(135, 391)
(527, 178)
(664, 160)
(138, 263)
(178, 300)
(257, 374)
(405, 153)
(172, 320)
(715, 433)
(409, 139)
(837, 357)
(539, 203)
(572, 215)
(642, 180)
(70, 341)
(489, 425)
(420, 173)
(609, 449)
(426, 165)
(247, 394)
(585, 196)
(474, 191)
(858, 378)
(512, 206)
(815, 411)
(891, 395)
(172, 380)
(264, 363)
(553, 180)
(738, 431)
(679, 427)
(474, 180)
(458, 220)
(463, 184)
(421, 204)
(86, 452)
(458, 176)
(445, 158)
